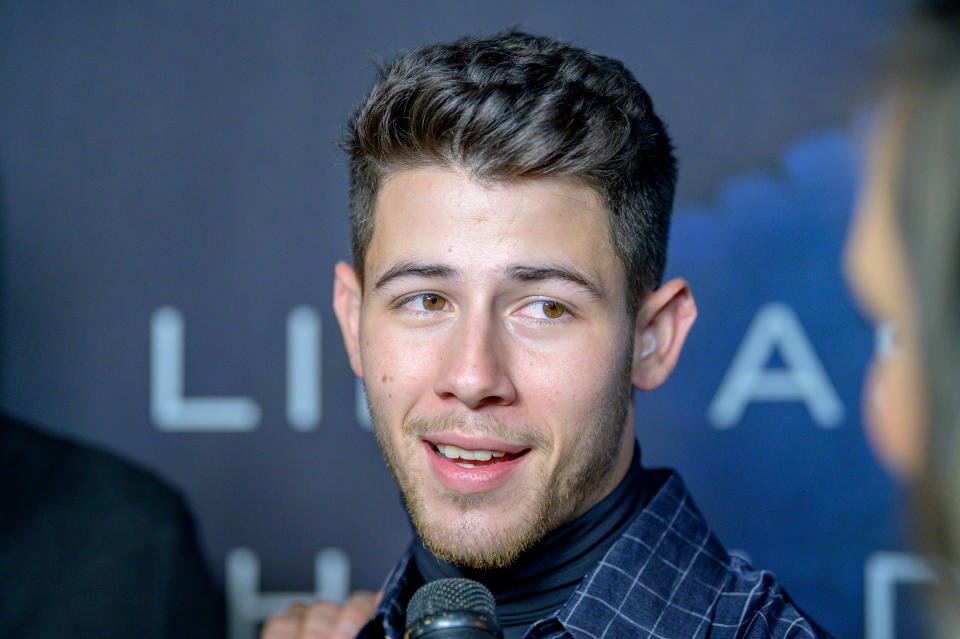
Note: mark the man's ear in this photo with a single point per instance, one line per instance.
(662, 324)
(346, 305)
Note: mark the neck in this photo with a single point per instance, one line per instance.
(542, 579)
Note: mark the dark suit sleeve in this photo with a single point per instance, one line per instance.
(94, 546)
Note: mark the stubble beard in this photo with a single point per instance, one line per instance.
(552, 500)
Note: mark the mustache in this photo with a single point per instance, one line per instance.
(514, 435)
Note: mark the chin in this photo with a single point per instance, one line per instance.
(478, 540)
(481, 531)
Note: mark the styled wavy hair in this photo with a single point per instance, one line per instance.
(515, 106)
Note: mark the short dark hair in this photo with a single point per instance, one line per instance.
(515, 106)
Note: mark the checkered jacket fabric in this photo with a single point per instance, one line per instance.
(666, 577)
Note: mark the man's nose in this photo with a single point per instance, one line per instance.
(475, 364)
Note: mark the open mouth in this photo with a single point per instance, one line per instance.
(474, 458)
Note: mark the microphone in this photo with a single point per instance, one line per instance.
(452, 609)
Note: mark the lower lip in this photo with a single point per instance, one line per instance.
(470, 481)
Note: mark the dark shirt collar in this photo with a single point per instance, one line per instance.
(404, 580)
(667, 575)
(541, 580)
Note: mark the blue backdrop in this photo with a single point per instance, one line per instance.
(172, 203)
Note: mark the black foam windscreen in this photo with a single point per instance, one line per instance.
(444, 595)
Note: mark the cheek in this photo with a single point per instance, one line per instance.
(394, 370)
(892, 411)
(567, 389)
(554, 379)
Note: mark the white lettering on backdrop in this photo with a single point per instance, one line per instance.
(775, 327)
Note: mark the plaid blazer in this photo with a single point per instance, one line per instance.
(666, 577)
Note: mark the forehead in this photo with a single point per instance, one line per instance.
(442, 214)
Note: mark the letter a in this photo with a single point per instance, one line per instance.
(803, 378)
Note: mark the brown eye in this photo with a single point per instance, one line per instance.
(553, 309)
(432, 302)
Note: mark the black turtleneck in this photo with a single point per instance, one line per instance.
(544, 577)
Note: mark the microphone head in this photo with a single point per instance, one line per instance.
(452, 608)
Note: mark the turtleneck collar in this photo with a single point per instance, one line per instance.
(544, 577)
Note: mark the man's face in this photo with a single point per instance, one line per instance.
(496, 349)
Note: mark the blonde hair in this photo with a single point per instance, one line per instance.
(927, 204)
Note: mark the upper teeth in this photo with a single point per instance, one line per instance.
(455, 452)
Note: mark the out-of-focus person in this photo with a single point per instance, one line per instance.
(94, 546)
(903, 263)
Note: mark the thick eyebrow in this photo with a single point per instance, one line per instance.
(538, 273)
(414, 269)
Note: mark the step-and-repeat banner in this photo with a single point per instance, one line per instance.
(172, 204)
